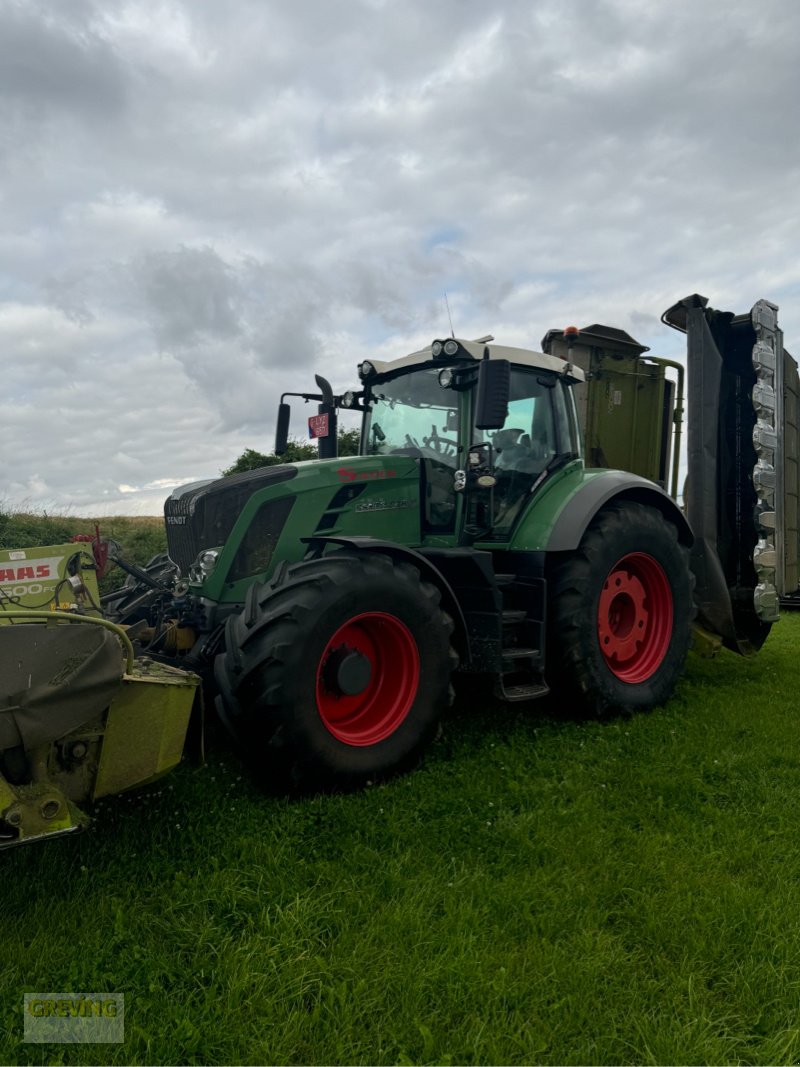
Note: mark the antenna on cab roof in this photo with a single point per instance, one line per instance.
(447, 303)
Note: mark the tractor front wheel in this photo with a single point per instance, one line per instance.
(335, 674)
(621, 611)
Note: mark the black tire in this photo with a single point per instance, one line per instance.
(620, 613)
(336, 672)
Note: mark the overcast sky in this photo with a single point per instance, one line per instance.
(202, 204)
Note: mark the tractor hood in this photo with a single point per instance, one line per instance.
(203, 513)
(248, 513)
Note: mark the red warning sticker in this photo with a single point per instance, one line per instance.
(318, 426)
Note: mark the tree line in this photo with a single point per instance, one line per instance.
(296, 451)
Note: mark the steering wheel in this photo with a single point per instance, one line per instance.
(442, 446)
(412, 447)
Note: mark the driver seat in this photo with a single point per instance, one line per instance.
(514, 450)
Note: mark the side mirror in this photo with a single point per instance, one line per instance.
(494, 384)
(282, 429)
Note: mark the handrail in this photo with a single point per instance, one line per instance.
(678, 418)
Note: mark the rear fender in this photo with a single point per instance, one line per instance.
(611, 487)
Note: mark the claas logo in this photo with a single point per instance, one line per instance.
(25, 574)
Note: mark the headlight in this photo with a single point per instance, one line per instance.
(450, 348)
(436, 349)
(348, 399)
(204, 565)
(365, 369)
(446, 378)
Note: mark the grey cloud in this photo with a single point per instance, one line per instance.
(190, 295)
(47, 66)
(67, 294)
(284, 188)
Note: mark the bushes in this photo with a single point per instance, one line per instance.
(28, 529)
(296, 452)
(141, 537)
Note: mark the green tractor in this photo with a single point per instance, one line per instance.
(327, 605)
(336, 598)
(467, 535)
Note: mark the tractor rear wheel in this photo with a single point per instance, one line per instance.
(336, 672)
(621, 612)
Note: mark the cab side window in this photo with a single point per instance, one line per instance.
(527, 441)
(526, 444)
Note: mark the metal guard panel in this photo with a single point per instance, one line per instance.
(146, 726)
(54, 679)
(31, 576)
(768, 406)
(734, 492)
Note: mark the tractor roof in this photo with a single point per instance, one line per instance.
(476, 350)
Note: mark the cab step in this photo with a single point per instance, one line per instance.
(524, 691)
(521, 670)
(512, 655)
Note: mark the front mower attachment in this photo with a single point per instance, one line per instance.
(79, 719)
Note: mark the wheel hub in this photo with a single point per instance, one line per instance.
(634, 617)
(347, 671)
(367, 678)
(623, 615)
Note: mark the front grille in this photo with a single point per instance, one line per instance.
(203, 517)
(254, 554)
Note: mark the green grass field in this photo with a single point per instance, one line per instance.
(542, 890)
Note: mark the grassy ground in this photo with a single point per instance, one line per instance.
(541, 891)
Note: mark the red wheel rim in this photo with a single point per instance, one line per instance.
(383, 655)
(634, 618)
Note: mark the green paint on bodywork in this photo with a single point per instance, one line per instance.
(624, 413)
(532, 531)
(385, 505)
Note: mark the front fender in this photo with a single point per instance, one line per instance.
(427, 569)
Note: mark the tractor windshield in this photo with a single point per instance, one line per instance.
(412, 415)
